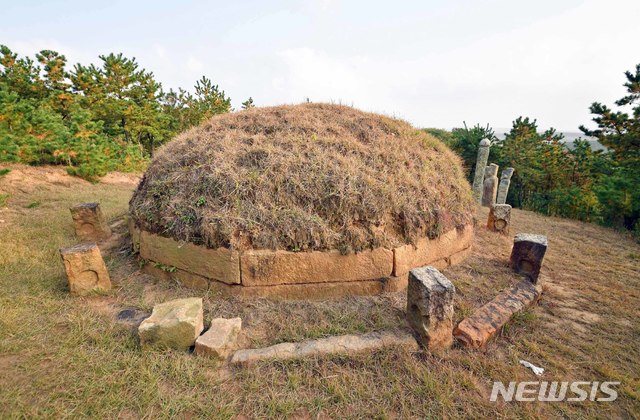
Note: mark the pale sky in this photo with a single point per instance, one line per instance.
(433, 63)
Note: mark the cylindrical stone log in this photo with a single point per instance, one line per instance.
(503, 187)
(527, 254)
(481, 163)
(85, 268)
(430, 307)
(89, 222)
(490, 187)
(499, 218)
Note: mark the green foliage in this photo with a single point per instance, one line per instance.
(4, 171)
(94, 119)
(248, 103)
(465, 141)
(3, 199)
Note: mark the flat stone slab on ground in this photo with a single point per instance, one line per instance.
(220, 339)
(173, 325)
(476, 330)
(343, 344)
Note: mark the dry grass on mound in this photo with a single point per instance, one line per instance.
(303, 177)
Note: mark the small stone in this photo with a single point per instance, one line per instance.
(430, 307)
(220, 339)
(85, 268)
(527, 254)
(173, 325)
(499, 218)
(89, 222)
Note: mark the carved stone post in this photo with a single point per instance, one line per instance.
(478, 179)
(85, 269)
(89, 223)
(503, 188)
(490, 188)
(499, 218)
(430, 307)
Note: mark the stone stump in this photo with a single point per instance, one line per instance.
(89, 222)
(173, 325)
(481, 163)
(503, 187)
(490, 187)
(85, 269)
(527, 254)
(499, 218)
(220, 339)
(430, 307)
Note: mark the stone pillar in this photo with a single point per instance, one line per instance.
(499, 218)
(527, 254)
(490, 187)
(85, 269)
(481, 162)
(503, 187)
(89, 223)
(430, 307)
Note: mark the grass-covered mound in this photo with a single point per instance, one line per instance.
(303, 177)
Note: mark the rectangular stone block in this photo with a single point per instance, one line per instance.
(527, 254)
(219, 264)
(85, 269)
(499, 218)
(428, 251)
(430, 307)
(476, 330)
(266, 267)
(89, 223)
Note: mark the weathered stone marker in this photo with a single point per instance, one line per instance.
(490, 187)
(499, 218)
(527, 254)
(503, 187)
(481, 163)
(476, 330)
(220, 339)
(85, 269)
(89, 222)
(430, 307)
(172, 325)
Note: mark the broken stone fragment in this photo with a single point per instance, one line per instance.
(499, 218)
(172, 325)
(343, 344)
(89, 223)
(527, 254)
(85, 269)
(220, 339)
(476, 330)
(430, 307)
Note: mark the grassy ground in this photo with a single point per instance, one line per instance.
(68, 357)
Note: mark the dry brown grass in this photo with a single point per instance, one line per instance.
(303, 177)
(69, 357)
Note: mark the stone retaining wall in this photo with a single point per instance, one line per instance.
(296, 275)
